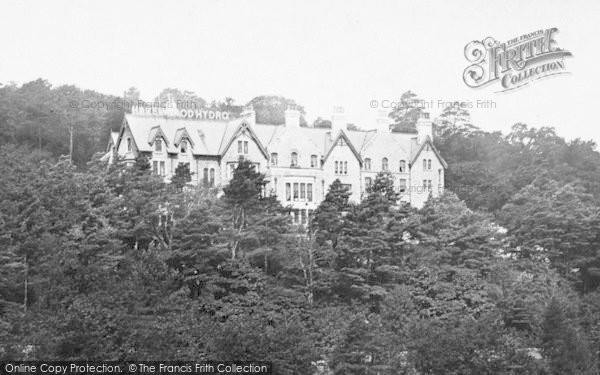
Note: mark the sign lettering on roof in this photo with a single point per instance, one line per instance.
(148, 109)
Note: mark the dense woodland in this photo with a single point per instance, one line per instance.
(500, 275)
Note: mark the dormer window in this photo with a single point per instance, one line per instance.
(183, 146)
(158, 145)
(294, 161)
(402, 166)
(384, 164)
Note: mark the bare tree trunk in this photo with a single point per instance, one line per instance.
(71, 142)
(25, 294)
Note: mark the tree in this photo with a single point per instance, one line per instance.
(181, 176)
(565, 349)
(560, 223)
(407, 112)
(270, 109)
(327, 219)
(455, 119)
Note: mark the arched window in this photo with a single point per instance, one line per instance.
(402, 166)
(158, 145)
(128, 144)
(367, 164)
(384, 164)
(183, 146)
(429, 164)
(205, 177)
(294, 162)
(424, 164)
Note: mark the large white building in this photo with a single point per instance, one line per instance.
(299, 162)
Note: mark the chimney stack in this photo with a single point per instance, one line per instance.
(424, 128)
(292, 117)
(338, 120)
(383, 122)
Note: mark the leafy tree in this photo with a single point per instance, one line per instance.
(270, 109)
(407, 112)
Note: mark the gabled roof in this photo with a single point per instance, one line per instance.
(435, 151)
(156, 132)
(181, 134)
(214, 137)
(241, 128)
(112, 140)
(342, 135)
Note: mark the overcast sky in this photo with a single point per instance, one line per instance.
(320, 53)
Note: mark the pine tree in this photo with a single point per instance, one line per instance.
(328, 218)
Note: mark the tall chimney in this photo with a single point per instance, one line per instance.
(338, 120)
(424, 128)
(383, 122)
(292, 117)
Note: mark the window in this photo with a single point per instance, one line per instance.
(205, 177)
(384, 164)
(212, 177)
(424, 185)
(240, 147)
(303, 216)
(402, 166)
(342, 142)
(313, 161)
(337, 170)
(274, 158)
(402, 185)
(183, 146)
(274, 189)
(128, 144)
(429, 164)
(367, 164)
(302, 191)
(429, 185)
(231, 168)
(345, 167)
(424, 164)
(309, 192)
(162, 168)
(294, 162)
(288, 191)
(368, 183)
(295, 191)
(158, 145)
(155, 167)
(245, 147)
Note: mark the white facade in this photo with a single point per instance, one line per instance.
(299, 162)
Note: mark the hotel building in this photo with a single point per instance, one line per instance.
(299, 162)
